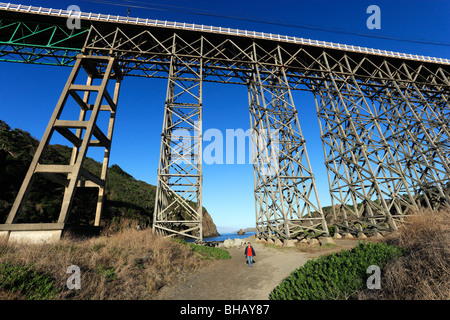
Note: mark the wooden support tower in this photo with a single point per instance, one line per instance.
(286, 200)
(92, 98)
(178, 201)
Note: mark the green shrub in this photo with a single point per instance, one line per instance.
(107, 273)
(27, 282)
(336, 276)
(331, 230)
(206, 252)
(210, 252)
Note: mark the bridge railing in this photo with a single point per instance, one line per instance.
(213, 29)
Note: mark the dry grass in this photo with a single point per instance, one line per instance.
(423, 273)
(127, 265)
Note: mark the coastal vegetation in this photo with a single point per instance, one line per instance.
(414, 264)
(335, 276)
(130, 264)
(207, 252)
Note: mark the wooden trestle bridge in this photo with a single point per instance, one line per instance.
(384, 119)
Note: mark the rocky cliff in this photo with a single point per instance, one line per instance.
(209, 228)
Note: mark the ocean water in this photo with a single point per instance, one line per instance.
(225, 236)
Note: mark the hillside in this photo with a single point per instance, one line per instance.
(129, 202)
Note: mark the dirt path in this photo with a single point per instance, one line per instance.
(233, 279)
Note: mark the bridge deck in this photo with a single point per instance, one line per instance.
(60, 16)
(143, 47)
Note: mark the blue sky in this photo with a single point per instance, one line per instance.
(28, 93)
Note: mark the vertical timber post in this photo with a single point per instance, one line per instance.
(79, 133)
(286, 199)
(178, 201)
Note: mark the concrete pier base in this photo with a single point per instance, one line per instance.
(40, 233)
(34, 237)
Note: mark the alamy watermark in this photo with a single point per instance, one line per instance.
(374, 281)
(374, 20)
(74, 281)
(74, 20)
(236, 146)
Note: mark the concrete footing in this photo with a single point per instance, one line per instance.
(44, 233)
(32, 237)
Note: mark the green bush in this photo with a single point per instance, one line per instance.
(210, 252)
(27, 282)
(336, 276)
(107, 273)
(206, 252)
(331, 230)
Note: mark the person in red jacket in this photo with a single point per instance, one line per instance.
(249, 253)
